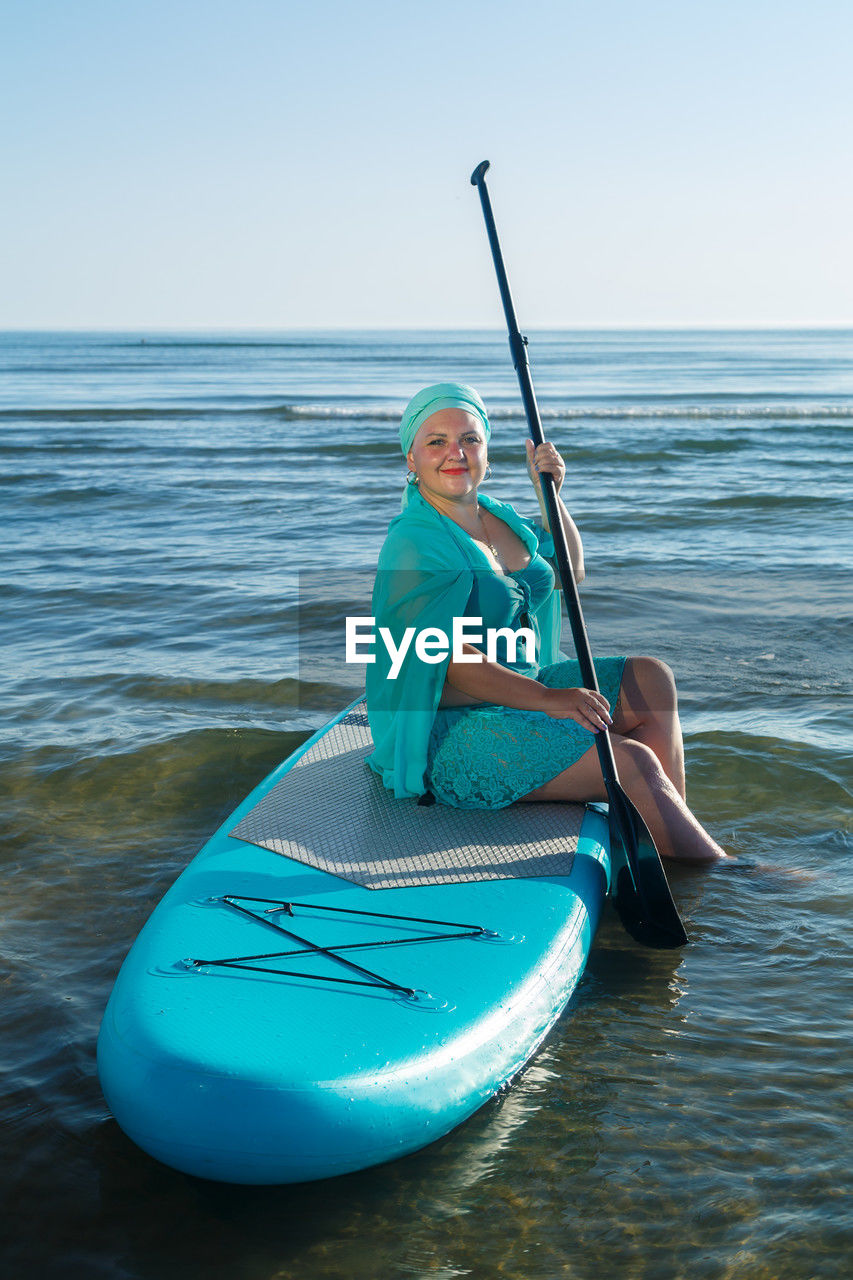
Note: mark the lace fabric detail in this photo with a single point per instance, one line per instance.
(487, 757)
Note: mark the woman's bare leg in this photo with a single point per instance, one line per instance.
(676, 832)
(647, 712)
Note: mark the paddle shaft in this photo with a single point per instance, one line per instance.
(640, 890)
(518, 348)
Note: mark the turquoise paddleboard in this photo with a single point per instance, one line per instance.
(339, 978)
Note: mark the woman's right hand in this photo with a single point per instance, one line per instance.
(588, 708)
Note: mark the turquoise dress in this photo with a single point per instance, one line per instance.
(483, 756)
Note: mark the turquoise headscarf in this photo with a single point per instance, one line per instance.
(442, 395)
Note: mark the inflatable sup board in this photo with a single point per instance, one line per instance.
(339, 978)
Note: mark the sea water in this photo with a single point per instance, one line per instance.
(168, 499)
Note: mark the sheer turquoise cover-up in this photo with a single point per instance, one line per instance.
(424, 578)
(429, 572)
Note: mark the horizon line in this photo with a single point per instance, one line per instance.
(744, 327)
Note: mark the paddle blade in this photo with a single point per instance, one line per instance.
(639, 887)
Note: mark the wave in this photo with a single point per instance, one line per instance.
(109, 727)
(113, 413)
(648, 410)
(801, 772)
(710, 412)
(97, 790)
(145, 687)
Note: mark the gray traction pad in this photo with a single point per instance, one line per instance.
(332, 812)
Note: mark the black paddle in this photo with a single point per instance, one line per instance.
(639, 888)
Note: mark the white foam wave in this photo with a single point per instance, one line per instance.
(710, 412)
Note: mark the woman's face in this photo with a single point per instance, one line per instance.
(448, 455)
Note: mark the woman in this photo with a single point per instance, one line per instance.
(483, 732)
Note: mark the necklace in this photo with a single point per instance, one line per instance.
(488, 541)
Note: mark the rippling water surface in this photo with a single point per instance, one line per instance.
(165, 497)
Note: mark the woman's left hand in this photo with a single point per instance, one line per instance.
(545, 459)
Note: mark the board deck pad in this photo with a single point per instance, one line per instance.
(331, 811)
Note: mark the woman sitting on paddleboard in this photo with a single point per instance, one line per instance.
(486, 732)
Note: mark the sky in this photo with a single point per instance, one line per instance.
(274, 164)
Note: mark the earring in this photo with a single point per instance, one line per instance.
(488, 474)
(411, 477)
